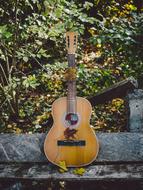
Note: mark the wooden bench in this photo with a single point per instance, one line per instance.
(119, 166)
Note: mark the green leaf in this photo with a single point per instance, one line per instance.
(87, 5)
(132, 7)
(58, 12)
(7, 35)
(4, 32)
(25, 59)
(69, 25)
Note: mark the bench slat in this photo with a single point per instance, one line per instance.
(113, 147)
(35, 171)
(118, 90)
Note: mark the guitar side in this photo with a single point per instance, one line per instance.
(74, 156)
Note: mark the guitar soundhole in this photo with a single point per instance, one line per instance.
(71, 118)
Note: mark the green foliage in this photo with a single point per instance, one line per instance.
(33, 57)
(30, 81)
(121, 41)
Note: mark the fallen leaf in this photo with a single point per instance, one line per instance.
(79, 171)
(61, 170)
(62, 165)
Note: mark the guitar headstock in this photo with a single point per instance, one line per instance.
(71, 42)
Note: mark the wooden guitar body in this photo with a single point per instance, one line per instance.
(78, 148)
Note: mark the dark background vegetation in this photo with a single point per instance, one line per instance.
(33, 57)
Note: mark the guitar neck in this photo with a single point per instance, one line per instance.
(71, 91)
(71, 42)
(71, 60)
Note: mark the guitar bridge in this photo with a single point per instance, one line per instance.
(71, 143)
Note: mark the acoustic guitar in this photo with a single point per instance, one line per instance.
(71, 139)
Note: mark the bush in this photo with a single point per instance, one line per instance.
(33, 56)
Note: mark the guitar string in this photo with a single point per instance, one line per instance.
(58, 153)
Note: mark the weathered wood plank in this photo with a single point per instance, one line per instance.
(135, 114)
(118, 90)
(104, 185)
(113, 147)
(83, 185)
(41, 176)
(105, 172)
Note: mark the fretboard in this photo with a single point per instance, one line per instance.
(71, 91)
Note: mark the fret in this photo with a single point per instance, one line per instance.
(71, 60)
(71, 97)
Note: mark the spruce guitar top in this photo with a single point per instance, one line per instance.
(71, 138)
